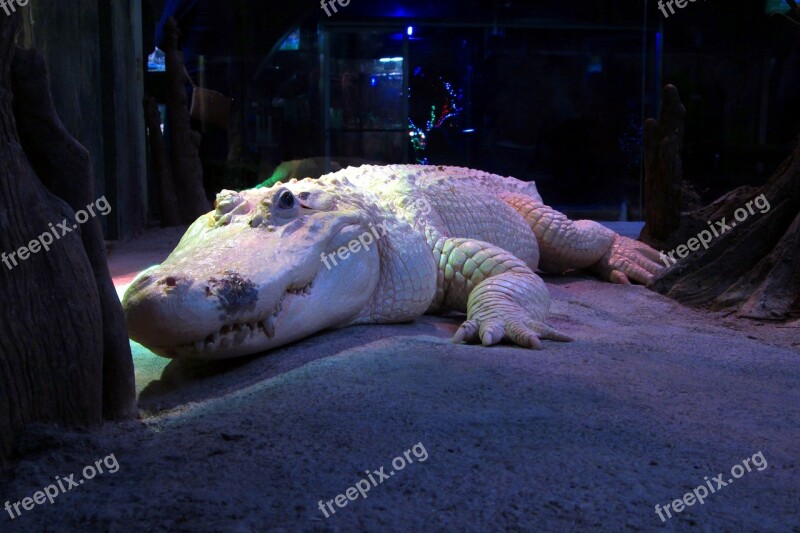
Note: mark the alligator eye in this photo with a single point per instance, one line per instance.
(286, 200)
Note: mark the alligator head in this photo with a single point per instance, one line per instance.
(250, 275)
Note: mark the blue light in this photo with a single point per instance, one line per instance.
(410, 31)
(595, 65)
(373, 81)
(292, 41)
(469, 131)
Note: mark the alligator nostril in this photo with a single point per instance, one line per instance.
(170, 281)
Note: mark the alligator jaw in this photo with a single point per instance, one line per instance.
(240, 335)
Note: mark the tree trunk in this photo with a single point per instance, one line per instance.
(754, 267)
(187, 170)
(663, 142)
(167, 197)
(64, 353)
(64, 167)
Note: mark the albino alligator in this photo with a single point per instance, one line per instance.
(374, 244)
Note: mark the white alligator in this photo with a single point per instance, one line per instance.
(373, 244)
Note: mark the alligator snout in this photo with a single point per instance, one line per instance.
(169, 308)
(233, 293)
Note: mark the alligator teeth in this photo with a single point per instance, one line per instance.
(229, 335)
(242, 335)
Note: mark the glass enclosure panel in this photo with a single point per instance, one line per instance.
(366, 96)
(559, 104)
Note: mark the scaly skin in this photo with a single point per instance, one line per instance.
(258, 271)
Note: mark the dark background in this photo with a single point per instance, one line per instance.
(548, 91)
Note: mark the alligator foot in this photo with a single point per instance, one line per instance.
(629, 260)
(510, 307)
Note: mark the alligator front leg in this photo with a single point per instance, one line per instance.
(566, 244)
(504, 299)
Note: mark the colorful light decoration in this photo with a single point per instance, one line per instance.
(450, 109)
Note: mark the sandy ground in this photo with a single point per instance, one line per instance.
(650, 399)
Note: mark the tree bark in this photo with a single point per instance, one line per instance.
(64, 353)
(187, 170)
(663, 142)
(64, 167)
(753, 268)
(167, 197)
